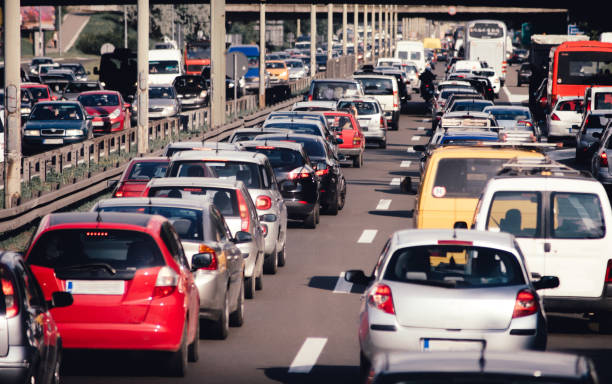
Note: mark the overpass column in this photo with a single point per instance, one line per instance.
(217, 63)
(12, 111)
(380, 31)
(298, 31)
(313, 39)
(262, 54)
(142, 132)
(395, 29)
(387, 29)
(373, 36)
(356, 34)
(365, 32)
(344, 29)
(330, 29)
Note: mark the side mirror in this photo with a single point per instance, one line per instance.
(88, 73)
(339, 141)
(356, 276)
(201, 260)
(96, 71)
(60, 299)
(126, 105)
(89, 117)
(546, 282)
(460, 225)
(112, 183)
(242, 237)
(268, 218)
(419, 148)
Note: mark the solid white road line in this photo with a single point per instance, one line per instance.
(405, 164)
(367, 236)
(383, 204)
(416, 138)
(395, 181)
(421, 128)
(343, 286)
(410, 149)
(308, 355)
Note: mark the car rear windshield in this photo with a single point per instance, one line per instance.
(187, 222)
(571, 105)
(363, 107)
(248, 173)
(99, 100)
(333, 90)
(376, 86)
(197, 168)
(275, 65)
(39, 92)
(454, 266)
(281, 159)
(510, 114)
(469, 106)
(225, 199)
(313, 148)
(92, 251)
(81, 87)
(308, 129)
(161, 93)
(146, 170)
(244, 136)
(461, 177)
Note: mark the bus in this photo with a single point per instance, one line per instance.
(197, 56)
(577, 65)
(486, 40)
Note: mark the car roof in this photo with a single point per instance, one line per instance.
(93, 218)
(295, 121)
(100, 92)
(161, 86)
(148, 159)
(366, 98)
(247, 157)
(406, 237)
(196, 182)
(542, 168)
(315, 103)
(156, 201)
(58, 102)
(259, 142)
(505, 107)
(288, 136)
(484, 151)
(348, 81)
(212, 145)
(373, 75)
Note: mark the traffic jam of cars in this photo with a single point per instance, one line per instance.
(501, 234)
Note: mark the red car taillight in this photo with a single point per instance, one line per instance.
(554, 117)
(166, 282)
(525, 123)
(381, 298)
(214, 265)
(382, 122)
(356, 140)
(525, 305)
(263, 202)
(120, 191)
(309, 97)
(603, 159)
(298, 175)
(395, 99)
(10, 301)
(245, 219)
(322, 172)
(608, 270)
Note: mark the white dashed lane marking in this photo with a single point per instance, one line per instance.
(308, 355)
(395, 181)
(343, 286)
(406, 164)
(367, 236)
(416, 138)
(421, 128)
(383, 204)
(410, 149)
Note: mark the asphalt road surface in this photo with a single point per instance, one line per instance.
(302, 328)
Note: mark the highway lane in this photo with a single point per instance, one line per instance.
(303, 326)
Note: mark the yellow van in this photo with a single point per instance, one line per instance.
(453, 179)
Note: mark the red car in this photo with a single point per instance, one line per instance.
(40, 92)
(110, 113)
(138, 173)
(347, 128)
(130, 280)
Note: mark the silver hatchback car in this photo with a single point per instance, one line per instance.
(255, 171)
(210, 248)
(370, 116)
(459, 290)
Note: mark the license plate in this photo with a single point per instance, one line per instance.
(97, 123)
(450, 345)
(95, 287)
(53, 141)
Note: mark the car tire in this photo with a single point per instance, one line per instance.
(605, 323)
(220, 329)
(342, 199)
(395, 125)
(383, 144)
(271, 263)
(358, 160)
(311, 220)
(236, 318)
(282, 257)
(332, 208)
(364, 367)
(259, 280)
(56, 378)
(318, 217)
(193, 353)
(249, 287)
(176, 364)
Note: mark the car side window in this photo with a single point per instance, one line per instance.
(179, 247)
(576, 216)
(264, 176)
(378, 268)
(218, 225)
(33, 297)
(171, 243)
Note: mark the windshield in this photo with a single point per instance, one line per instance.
(294, 64)
(81, 87)
(275, 65)
(56, 112)
(309, 129)
(99, 100)
(584, 68)
(248, 173)
(281, 159)
(41, 61)
(376, 86)
(454, 266)
(224, 199)
(603, 100)
(363, 107)
(457, 177)
(163, 67)
(146, 170)
(199, 51)
(76, 68)
(510, 114)
(333, 91)
(469, 106)
(161, 93)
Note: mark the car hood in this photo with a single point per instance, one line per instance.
(101, 110)
(161, 103)
(61, 124)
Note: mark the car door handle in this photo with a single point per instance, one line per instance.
(547, 247)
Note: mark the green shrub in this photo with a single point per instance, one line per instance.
(90, 43)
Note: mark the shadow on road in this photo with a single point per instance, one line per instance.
(407, 214)
(112, 363)
(319, 374)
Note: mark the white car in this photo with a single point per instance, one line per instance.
(493, 78)
(370, 116)
(385, 89)
(565, 117)
(561, 219)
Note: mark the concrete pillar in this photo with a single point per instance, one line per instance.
(313, 39)
(373, 37)
(12, 102)
(356, 34)
(262, 54)
(142, 133)
(366, 41)
(344, 29)
(380, 31)
(330, 29)
(217, 63)
(298, 28)
(386, 31)
(395, 29)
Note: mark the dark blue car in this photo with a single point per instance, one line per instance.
(56, 123)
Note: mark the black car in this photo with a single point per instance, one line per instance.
(30, 345)
(74, 89)
(296, 176)
(326, 164)
(321, 59)
(524, 74)
(483, 85)
(55, 123)
(191, 90)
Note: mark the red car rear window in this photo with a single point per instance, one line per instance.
(146, 170)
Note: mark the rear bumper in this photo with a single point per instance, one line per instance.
(15, 366)
(350, 151)
(561, 129)
(580, 304)
(375, 135)
(298, 210)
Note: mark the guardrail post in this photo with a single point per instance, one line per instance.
(330, 29)
(143, 76)
(12, 102)
(217, 60)
(344, 29)
(313, 39)
(262, 54)
(365, 33)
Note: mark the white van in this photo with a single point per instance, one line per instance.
(384, 89)
(562, 221)
(598, 99)
(605, 37)
(165, 65)
(411, 50)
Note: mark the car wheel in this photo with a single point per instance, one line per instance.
(249, 287)
(357, 161)
(236, 318)
(383, 144)
(605, 323)
(396, 125)
(342, 199)
(311, 220)
(193, 353)
(364, 367)
(282, 257)
(332, 208)
(271, 263)
(221, 328)
(56, 371)
(177, 363)
(259, 280)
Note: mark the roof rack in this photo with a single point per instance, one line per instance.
(539, 166)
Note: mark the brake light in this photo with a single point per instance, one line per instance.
(395, 99)
(264, 147)
(245, 219)
(356, 140)
(455, 242)
(10, 301)
(525, 305)
(166, 282)
(525, 123)
(382, 122)
(603, 159)
(214, 265)
(263, 202)
(554, 117)
(298, 175)
(309, 97)
(120, 191)
(381, 298)
(322, 172)
(608, 270)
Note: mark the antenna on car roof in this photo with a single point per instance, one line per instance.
(217, 148)
(98, 217)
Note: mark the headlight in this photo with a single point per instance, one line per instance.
(73, 132)
(203, 94)
(170, 108)
(115, 114)
(284, 73)
(230, 85)
(31, 132)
